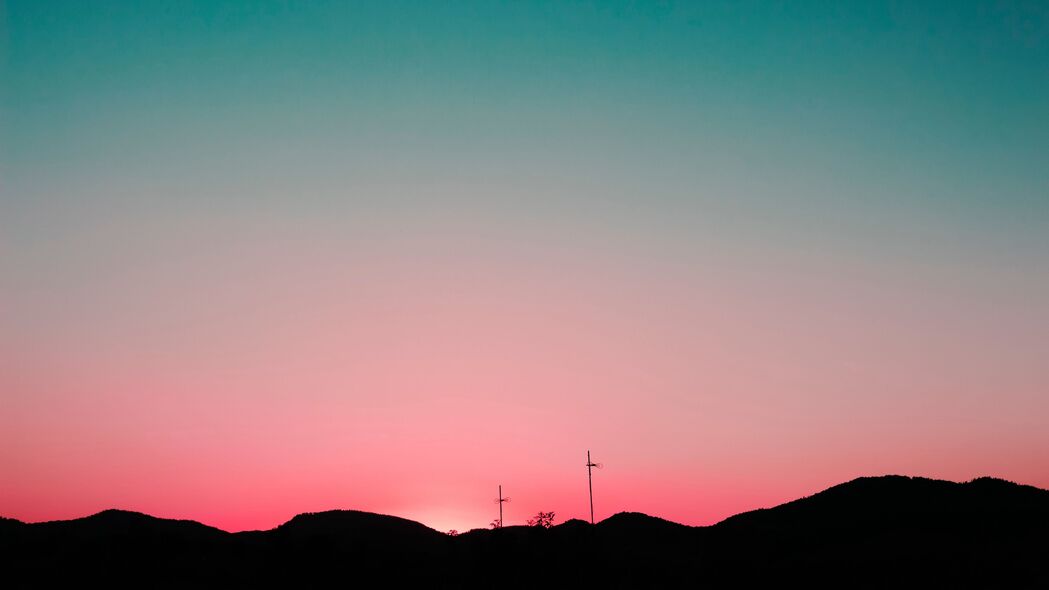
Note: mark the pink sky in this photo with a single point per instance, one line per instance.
(258, 258)
(238, 371)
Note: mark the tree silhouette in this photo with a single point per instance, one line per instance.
(543, 519)
(496, 523)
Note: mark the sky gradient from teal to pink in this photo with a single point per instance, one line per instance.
(259, 259)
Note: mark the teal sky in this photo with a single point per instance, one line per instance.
(807, 218)
(932, 114)
(934, 103)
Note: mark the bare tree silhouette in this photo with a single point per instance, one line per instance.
(543, 519)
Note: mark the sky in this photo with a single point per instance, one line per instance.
(263, 258)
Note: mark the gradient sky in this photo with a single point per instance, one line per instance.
(262, 258)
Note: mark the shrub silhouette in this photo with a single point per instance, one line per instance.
(543, 519)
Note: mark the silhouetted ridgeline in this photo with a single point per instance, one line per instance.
(883, 532)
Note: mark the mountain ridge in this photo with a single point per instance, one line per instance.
(132, 515)
(871, 531)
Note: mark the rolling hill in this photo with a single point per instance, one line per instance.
(890, 531)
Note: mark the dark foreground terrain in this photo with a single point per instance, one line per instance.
(886, 532)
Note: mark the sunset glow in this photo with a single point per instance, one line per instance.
(258, 260)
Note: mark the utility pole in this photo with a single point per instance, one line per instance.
(500, 500)
(590, 480)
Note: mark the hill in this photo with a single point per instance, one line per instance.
(870, 532)
(892, 531)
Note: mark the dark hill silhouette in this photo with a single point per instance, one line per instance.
(10, 524)
(986, 532)
(890, 531)
(881, 501)
(127, 547)
(572, 523)
(355, 523)
(636, 522)
(121, 523)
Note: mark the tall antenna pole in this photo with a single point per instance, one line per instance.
(500, 500)
(590, 481)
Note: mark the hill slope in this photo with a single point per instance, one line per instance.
(893, 530)
(881, 531)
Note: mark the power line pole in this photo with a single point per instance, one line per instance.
(500, 500)
(590, 481)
